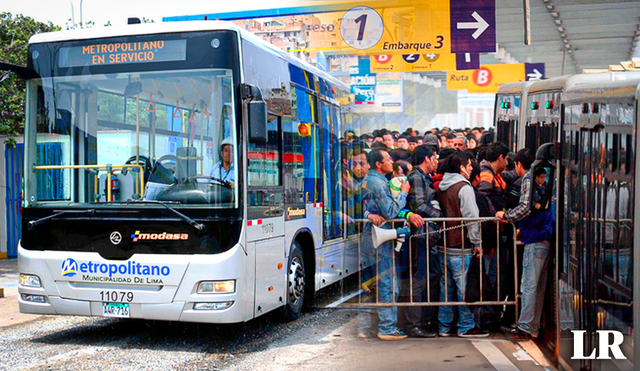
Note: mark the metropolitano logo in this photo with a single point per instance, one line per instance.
(69, 267)
(604, 347)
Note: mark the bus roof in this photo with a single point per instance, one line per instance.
(131, 30)
(562, 83)
(602, 91)
(176, 27)
(286, 56)
(552, 84)
(511, 88)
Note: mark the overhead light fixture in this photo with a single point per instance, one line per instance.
(570, 51)
(565, 41)
(555, 14)
(560, 28)
(563, 35)
(558, 22)
(550, 7)
(567, 45)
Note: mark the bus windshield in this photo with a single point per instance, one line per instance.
(133, 136)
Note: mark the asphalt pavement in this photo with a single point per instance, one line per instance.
(322, 339)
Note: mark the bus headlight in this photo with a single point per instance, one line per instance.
(29, 280)
(217, 287)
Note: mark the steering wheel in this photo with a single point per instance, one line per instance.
(177, 168)
(223, 183)
(192, 192)
(142, 161)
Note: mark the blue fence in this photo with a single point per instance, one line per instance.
(13, 166)
(50, 186)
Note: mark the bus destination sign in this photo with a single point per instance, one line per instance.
(126, 52)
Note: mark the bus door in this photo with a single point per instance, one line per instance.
(303, 160)
(507, 119)
(333, 213)
(584, 265)
(506, 132)
(265, 217)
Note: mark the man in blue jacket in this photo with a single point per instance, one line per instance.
(380, 205)
(536, 231)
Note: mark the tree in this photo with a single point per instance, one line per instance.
(15, 32)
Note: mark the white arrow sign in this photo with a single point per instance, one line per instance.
(536, 75)
(480, 25)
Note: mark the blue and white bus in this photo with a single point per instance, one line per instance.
(183, 171)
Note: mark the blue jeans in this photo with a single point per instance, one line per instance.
(385, 293)
(533, 285)
(455, 287)
(368, 269)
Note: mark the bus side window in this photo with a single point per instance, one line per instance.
(264, 160)
(305, 110)
(332, 201)
(311, 152)
(264, 169)
(293, 166)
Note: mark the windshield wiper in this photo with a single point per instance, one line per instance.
(193, 223)
(32, 224)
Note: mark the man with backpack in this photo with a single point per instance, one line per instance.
(457, 200)
(536, 231)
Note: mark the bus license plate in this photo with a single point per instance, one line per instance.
(116, 310)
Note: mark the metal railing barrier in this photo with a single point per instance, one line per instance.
(370, 283)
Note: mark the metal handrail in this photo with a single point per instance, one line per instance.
(429, 303)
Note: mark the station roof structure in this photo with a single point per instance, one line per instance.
(587, 34)
(567, 35)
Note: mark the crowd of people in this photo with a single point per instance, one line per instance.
(453, 174)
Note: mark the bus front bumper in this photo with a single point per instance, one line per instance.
(179, 302)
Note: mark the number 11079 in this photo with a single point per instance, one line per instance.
(116, 296)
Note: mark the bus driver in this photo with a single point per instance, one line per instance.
(224, 169)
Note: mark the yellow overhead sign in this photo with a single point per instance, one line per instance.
(487, 79)
(412, 62)
(388, 27)
(377, 26)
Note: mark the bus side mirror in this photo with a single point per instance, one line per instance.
(256, 109)
(21, 71)
(543, 178)
(257, 113)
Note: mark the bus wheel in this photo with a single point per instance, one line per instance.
(295, 284)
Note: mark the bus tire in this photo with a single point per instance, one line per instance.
(295, 284)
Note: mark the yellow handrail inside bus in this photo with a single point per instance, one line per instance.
(139, 188)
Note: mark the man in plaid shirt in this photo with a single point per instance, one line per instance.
(536, 231)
